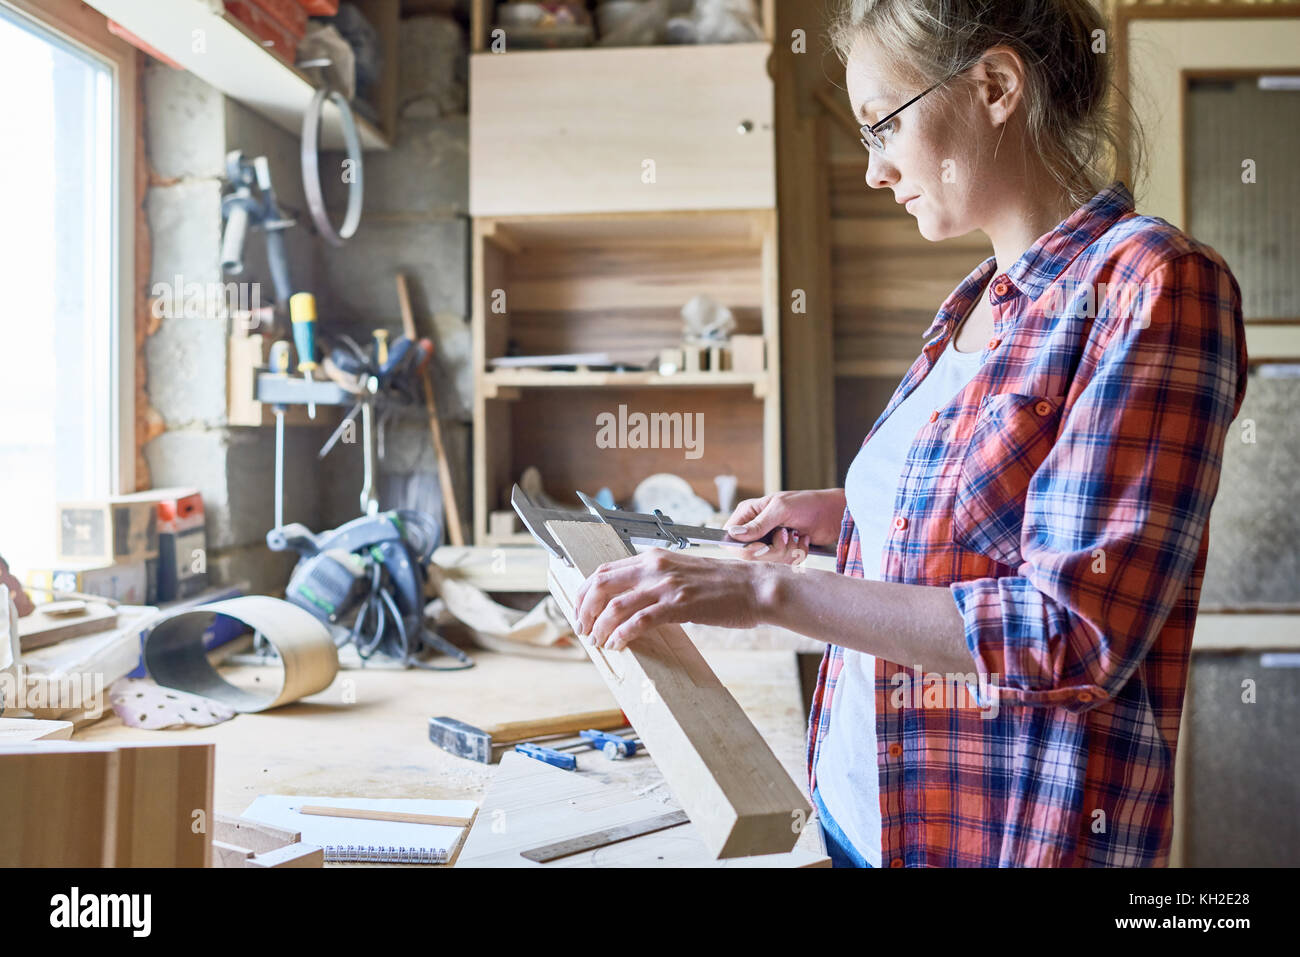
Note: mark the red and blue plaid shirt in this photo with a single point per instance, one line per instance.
(1063, 498)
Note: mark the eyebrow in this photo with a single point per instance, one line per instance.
(862, 110)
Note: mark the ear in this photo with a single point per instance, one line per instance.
(1000, 77)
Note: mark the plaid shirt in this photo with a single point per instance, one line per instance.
(1063, 498)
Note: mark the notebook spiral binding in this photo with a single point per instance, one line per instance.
(370, 854)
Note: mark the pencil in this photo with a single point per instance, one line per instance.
(403, 817)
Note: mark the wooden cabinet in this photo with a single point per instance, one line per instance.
(608, 187)
(617, 282)
(629, 128)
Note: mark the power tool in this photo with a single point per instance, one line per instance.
(365, 581)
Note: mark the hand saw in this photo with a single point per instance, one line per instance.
(634, 528)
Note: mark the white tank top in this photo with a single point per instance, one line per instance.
(847, 770)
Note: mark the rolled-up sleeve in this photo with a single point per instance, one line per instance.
(1115, 514)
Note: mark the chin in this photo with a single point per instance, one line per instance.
(936, 228)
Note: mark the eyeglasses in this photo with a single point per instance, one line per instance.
(871, 139)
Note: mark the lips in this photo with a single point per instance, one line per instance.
(904, 202)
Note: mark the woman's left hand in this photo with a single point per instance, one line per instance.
(625, 599)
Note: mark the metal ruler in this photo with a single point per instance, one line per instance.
(611, 835)
(634, 528)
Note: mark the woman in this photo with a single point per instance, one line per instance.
(1022, 536)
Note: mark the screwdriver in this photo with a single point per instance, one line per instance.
(302, 312)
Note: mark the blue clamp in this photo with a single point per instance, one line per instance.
(565, 762)
(613, 746)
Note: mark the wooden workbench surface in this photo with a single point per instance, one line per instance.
(367, 734)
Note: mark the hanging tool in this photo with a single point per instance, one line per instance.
(302, 311)
(454, 533)
(243, 211)
(635, 528)
(279, 366)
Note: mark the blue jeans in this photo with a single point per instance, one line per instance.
(841, 852)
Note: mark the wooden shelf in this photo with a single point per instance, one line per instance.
(499, 379)
(616, 282)
(233, 60)
(483, 19)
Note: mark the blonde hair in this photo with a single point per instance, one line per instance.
(1068, 121)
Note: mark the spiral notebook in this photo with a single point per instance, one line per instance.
(359, 840)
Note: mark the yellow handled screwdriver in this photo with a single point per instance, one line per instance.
(302, 312)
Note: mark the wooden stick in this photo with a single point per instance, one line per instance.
(435, 430)
(608, 720)
(739, 797)
(403, 817)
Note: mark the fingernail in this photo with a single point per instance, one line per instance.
(737, 529)
(785, 536)
(762, 551)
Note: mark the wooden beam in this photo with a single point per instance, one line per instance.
(803, 198)
(740, 798)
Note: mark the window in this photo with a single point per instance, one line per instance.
(60, 256)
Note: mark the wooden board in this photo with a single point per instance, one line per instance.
(40, 629)
(740, 798)
(595, 116)
(34, 729)
(59, 807)
(73, 804)
(165, 805)
(530, 803)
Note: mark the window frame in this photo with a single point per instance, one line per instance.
(87, 29)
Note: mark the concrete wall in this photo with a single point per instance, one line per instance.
(415, 220)
(189, 127)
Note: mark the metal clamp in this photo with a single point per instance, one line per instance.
(675, 540)
(311, 122)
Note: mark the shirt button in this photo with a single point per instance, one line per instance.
(1042, 408)
(900, 523)
(896, 862)
(1001, 287)
(934, 416)
(895, 750)
(993, 343)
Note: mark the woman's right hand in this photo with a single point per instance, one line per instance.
(804, 518)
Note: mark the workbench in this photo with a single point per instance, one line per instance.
(367, 734)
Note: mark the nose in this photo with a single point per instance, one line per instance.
(880, 172)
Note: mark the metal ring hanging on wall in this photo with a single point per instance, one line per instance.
(311, 122)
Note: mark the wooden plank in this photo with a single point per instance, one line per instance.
(254, 835)
(58, 804)
(234, 61)
(540, 804)
(803, 196)
(34, 729)
(740, 798)
(165, 805)
(230, 855)
(41, 628)
(293, 855)
(606, 112)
